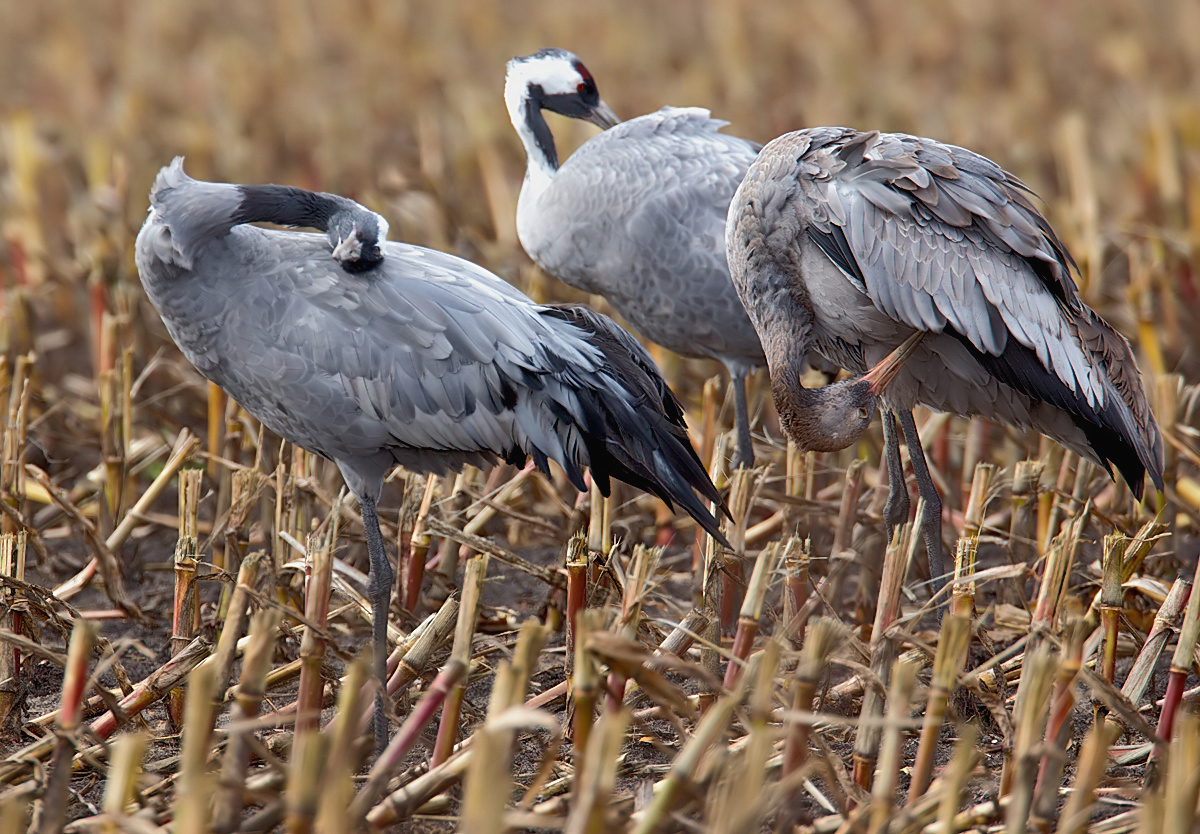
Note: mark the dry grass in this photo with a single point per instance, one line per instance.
(1067, 588)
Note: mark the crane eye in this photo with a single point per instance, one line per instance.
(581, 88)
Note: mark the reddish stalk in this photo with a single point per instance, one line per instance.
(752, 605)
(1181, 665)
(412, 570)
(54, 799)
(444, 686)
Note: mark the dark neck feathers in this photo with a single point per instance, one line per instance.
(542, 136)
(288, 206)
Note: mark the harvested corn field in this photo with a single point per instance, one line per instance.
(183, 597)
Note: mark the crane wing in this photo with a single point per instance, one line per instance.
(944, 240)
(637, 214)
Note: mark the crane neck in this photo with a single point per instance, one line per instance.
(288, 206)
(525, 111)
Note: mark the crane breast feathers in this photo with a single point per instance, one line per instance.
(941, 236)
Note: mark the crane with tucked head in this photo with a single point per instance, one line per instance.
(637, 215)
(373, 353)
(850, 242)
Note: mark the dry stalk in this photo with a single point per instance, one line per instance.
(797, 556)
(843, 531)
(12, 453)
(599, 536)
(1166, 621)
(752, 605)
(193, 799)
(962, 599)
(12, 565)
(416, 658)
(114, 585)
(883, 650)
(1058, 726)
(741, 493)
(235, 620)
(447, 682)
(1029, 718)
(1181, 665)
(1060, 556)
(635, 585)
(1093, 759)
(1022, 531)
(955, 777)
(489, 780)
(1111, 596)
(185, 617)
(316, 612)
(186, 444)
(823, 637)
(594, 785)
(1182, 781)
(156, 685)
(250, 692)
(449, 550)
(744, 772)
(577, 577)
(52, 810)
(887, 776)
(460, 653)
(337, 791)
(711, 727)
(121, 786)
(303, 789)
(585, 683)
(947, 665)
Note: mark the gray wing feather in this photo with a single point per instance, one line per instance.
(637, 214)
(943, 236)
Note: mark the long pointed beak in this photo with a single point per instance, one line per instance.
(881, 375)
(602, 116)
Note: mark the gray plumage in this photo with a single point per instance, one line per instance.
(851, 241)
(373, 353)
(636, 214)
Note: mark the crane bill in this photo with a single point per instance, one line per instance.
(882, 374)
(349, 248)
(602, 116)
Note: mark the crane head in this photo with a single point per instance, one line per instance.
(356, 236)
(556, 80)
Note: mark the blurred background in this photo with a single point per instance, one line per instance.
(1096, 105)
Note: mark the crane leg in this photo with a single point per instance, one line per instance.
(379, 587)
(744, 457)
(930, 521)
(895, 512)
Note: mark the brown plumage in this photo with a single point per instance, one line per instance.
(851, 241)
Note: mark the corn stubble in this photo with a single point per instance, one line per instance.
(536, 680)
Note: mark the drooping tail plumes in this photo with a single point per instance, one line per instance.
(633, 427)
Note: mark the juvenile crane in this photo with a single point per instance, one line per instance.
(637, 215)
(851, 241)
(372, 353)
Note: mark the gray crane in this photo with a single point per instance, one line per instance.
(637, 215)
(852, 241)
(372, 353)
